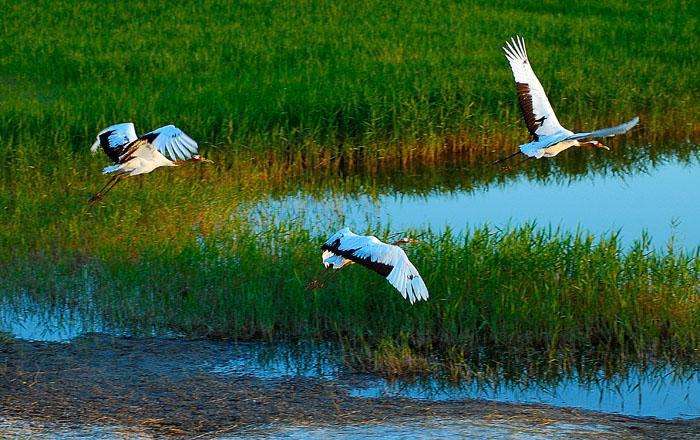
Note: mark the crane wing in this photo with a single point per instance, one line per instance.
(172, 142)
(114, 139)
(532, 150)
(608, 132)
(406, 279)
(534, 105)
(388, 260)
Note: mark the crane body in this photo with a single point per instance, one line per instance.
(549, 138)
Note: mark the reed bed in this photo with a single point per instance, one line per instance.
(361, 82)
(535, 293)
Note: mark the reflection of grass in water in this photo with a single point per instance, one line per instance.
(5, 338)
(44, 197)
(305, 83)
(545, 297)
(473, 172)
(651, 381)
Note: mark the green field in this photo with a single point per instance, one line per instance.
(373, 97)
(309, 81)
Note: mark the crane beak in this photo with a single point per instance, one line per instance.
(604, 146)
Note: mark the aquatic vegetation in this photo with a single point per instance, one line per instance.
(180, 251)
(315, 82)
(526, 292)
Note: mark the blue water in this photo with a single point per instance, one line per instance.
(664, 201)
(658, 393)
(653, 393)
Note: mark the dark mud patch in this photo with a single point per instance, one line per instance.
(162, 387)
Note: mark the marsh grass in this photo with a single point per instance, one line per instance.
(180, 251)
(307, 83)
(526, 292)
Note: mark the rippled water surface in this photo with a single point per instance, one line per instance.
(653, 393)
(436, 429)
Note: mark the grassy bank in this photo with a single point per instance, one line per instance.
(309, 82)
(544, 296)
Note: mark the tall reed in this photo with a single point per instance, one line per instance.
(306, 82)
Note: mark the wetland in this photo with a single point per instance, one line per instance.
(564, 293)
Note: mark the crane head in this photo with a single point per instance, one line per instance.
(198, 158)
(597, 144)
(405, 240)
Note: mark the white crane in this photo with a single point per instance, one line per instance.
(133, 155)
(389, 260)
(549, 138)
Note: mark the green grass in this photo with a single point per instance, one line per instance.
(308, 82)
(528, 293)
(134, 261)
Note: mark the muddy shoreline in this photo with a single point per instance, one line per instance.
(162, 387)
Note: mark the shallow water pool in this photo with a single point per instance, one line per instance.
(663, 200)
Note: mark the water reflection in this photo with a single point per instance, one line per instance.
(660, 200)
(25, 319)
(22, 317)
(658, 393)
(22, 429)
(273, 361)
(662, 392)
(473, 174)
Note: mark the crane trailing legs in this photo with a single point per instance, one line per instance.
(111, 183)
